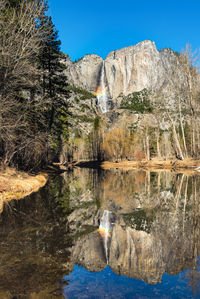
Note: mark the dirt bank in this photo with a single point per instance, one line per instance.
(155, 164)
(16, 185)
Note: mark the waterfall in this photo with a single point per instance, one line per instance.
(102, 96)
(105, 230)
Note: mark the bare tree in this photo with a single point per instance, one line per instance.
(190, 64)
(20, 42)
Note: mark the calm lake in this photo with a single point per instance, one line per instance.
(103, 234)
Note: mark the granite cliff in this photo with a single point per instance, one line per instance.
(131, 69)
(138, 103)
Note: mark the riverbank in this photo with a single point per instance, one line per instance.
(155, 163)
(16, 184)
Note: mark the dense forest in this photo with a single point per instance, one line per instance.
(33, 93)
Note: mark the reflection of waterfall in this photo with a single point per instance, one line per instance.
(102, 95)
(105, 229)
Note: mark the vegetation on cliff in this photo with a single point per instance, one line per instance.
(138, 102)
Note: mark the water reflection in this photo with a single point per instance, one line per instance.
(137, 228)
(107, 284)
(105, 231)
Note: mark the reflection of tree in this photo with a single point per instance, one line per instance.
(193, 276)
(178, 192)
(119, 186)
(34, 244)
(185, 203)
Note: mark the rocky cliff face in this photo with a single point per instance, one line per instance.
(129, 70)
(132, 90)
(85, 73)
(133, 69)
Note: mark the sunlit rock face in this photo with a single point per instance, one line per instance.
(129, 70)
(86, 72)
(133, 68)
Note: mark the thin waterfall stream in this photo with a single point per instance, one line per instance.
(102, 96)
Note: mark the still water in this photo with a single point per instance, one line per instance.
(103, 234)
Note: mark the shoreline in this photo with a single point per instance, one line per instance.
(156, 164)
(17, 184)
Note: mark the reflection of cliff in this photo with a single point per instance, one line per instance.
(155, 226)
(136, 254)
(131, 253)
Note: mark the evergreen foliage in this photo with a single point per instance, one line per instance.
(84, 93)
(138, 102)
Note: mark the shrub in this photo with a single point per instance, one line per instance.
(138, 102)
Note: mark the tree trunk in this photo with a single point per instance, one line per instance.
(158, 143)
(147, 145)
(182, 129)
(179, 153)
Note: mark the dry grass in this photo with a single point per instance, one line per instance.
(187, 165)
(16, 185)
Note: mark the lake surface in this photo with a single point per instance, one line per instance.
(103, 234)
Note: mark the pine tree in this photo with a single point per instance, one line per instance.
(53, 80)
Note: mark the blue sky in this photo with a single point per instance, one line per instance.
(99, 27)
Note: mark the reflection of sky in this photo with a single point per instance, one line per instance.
(107, 284)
